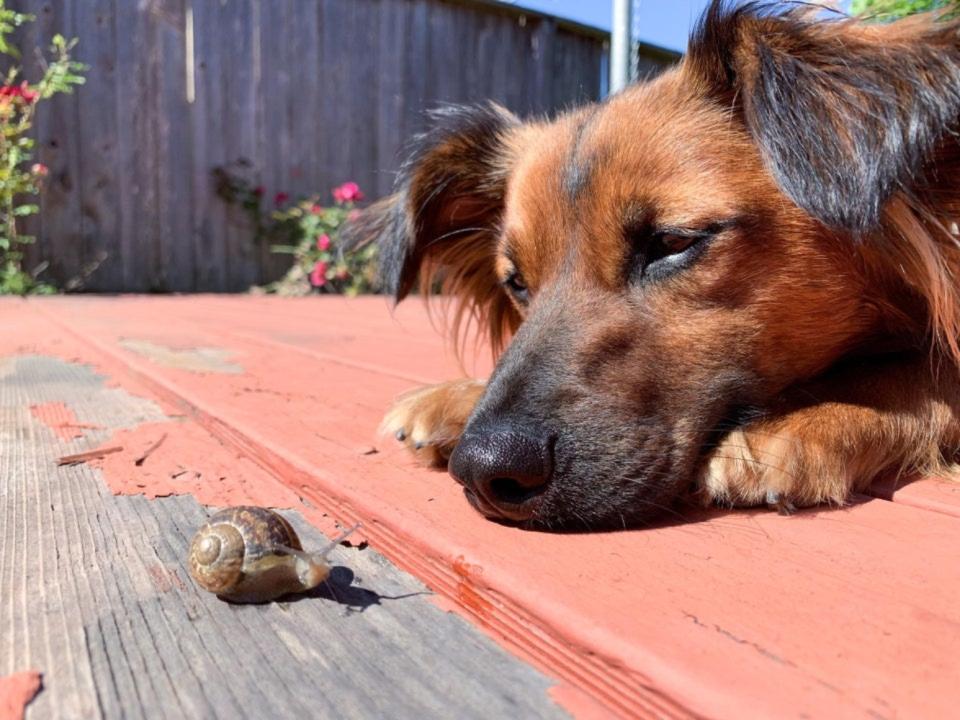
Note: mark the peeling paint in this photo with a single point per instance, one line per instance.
(467, 594)
(17, 691)
(61, 419)
(160, 459)
(187, 462)
(197, 360)
(165, 578)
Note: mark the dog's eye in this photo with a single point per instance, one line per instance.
(517, 287)
(669, 251)
(669, 244)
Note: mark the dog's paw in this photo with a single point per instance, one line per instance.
(783, 464)
(430, 420)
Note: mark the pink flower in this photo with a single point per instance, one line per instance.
(353, 215)
(348, 192)
(280, 198)
(323, 242)
(40, 169)
(22, 91)
(30, 96)
(316, 209)
(318, 276)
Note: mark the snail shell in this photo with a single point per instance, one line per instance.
(251, 554)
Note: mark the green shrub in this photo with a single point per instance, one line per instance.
(20, 178)
(891, 9)
(307, 230)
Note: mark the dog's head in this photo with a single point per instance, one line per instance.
(667, 262)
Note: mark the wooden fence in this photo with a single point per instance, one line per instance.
(311, 92)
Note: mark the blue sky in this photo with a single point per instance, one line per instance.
(660, 22)
(666, 23)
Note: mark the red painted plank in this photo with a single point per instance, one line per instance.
(936, 494)
(840, 612)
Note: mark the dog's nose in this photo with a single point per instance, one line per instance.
(506, 469)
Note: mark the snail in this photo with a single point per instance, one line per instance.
(253, 555)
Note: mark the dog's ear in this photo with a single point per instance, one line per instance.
(440, 226)
(441, 221)
(845, 113)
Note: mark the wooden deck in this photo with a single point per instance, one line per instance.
(223, 400)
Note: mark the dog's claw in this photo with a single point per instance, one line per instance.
(780, 503)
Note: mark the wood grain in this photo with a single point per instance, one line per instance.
(831, 612)
(94, 593)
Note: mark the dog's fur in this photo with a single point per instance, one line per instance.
(736, 280)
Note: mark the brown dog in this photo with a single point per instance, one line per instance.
(738, 279)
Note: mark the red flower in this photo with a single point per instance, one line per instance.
(323, 242)
(40, 169)
(27, 94)
(348, 192)
(259, 190)
(316, 209)
(318, 276)
(280, 198)
(20, 91)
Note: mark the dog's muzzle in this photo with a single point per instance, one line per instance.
(504, 470)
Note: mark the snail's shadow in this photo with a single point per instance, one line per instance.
(339, 587)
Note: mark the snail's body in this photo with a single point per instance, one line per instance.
(253, 555)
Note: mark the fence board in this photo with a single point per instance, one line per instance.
(61, 229)
(174, 141)
(97, 143)
(236, 36)
(311, 92)
(209, 221)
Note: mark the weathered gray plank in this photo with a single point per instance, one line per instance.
(94, 592)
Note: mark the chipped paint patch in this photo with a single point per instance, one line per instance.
(468, 575)
(61, 419)
(17, 691)
(165, 578)
(160, 459)
(181, 458)
(197, 360)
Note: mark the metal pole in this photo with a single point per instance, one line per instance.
(620, 45)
